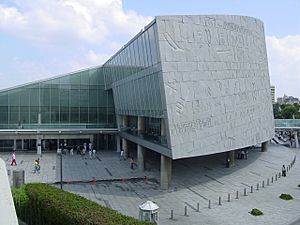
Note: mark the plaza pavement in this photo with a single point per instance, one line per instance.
(194, 180)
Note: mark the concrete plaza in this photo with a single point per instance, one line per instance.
(195, 181)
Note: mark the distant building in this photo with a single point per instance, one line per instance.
(288, 100)
(273, 94)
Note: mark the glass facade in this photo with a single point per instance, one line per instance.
(77, 100)
(133, 73)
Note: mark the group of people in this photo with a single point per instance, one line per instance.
(242, 154)
(80, 150)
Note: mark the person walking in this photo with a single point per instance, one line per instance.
(122, 155)
(13, 159)
(132, 164)
(90, 153)
(37, 166)
(94, 153)
(283, 171)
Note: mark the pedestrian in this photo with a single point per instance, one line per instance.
(90, 153)
(37, 166)
(283, 171)
(122, 155)
(242, 154)
(132, 163)
(71, 151)
(94, 153)
(13, 159)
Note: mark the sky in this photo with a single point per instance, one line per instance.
(45, 38)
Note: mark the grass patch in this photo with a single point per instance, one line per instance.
(256, 212)
(286, 197)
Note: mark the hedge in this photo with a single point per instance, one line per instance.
(42, 204)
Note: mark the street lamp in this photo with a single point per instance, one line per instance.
(61, 177)
(61, 165)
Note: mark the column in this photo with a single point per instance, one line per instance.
(141, 157)
(124, 147)
(296, 139)
(118, 143)
(264, 146)
(162, 127)
(230, 159)
(15, 144)
(22, 143)
(165, 172)
(124, 141)
(39, 146)
(141, 123)
(58, 144)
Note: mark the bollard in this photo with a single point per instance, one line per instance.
(245, 192)
(228, 197)
(209, 204)
(251, 189)
(272, 180)
(237, 195)
(185, 211)
(268, 182)
(275, 177)
(263, 184)
(198, 207)
(257, 186)
(172, 215)
(220, 203)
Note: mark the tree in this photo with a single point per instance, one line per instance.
(289, 111)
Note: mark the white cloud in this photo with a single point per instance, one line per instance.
(284, 64)
(65, 21)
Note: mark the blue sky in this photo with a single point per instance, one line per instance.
(43, 38)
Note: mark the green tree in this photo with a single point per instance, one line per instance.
(289, 111)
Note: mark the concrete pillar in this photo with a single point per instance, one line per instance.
(230, 159)
(39, 146)
(118, 143)
(165, 172)
(141, 123)
(58, 144)
(296, 139)
(264, 146)
(22, 144)
(162, 127)
(124, 121)
(141, 157)
(15, 144)
(124, 141)
(124, 147)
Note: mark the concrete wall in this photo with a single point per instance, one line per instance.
(7, 213)
(216, 83)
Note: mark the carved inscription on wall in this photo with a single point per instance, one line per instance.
(228, 89)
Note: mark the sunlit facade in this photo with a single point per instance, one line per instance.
(184, 86)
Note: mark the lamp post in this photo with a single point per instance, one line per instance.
(61, 165)
(61, 177)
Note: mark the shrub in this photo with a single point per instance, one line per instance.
(48, 205)
(21, 201)
(286, 197)
(256, 212)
